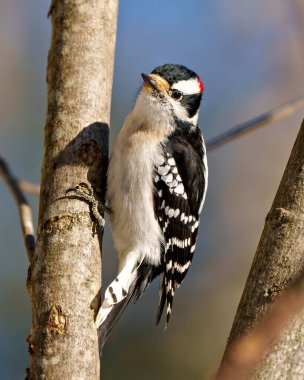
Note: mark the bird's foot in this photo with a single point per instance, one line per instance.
(84, 192)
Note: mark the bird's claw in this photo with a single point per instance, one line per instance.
(85, 192)
(81, 189)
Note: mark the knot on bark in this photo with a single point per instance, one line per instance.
(57, 321)
(281, 215)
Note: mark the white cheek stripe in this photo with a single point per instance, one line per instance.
(188, 87)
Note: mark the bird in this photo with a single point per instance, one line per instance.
(156, 186)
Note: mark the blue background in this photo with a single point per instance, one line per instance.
(250, 56)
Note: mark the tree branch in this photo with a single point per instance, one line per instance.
(251, 348)
(278, 262)
(65, 276)
(25, 212)
(238, 131)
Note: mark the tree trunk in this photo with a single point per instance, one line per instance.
(65, 274)
(278, 263)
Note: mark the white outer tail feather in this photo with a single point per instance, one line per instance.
(117, 291)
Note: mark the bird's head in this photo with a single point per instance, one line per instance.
(172, 92)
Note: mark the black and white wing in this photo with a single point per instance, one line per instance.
(180, 188)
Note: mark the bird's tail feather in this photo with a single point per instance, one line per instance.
(142, 276)
(166, 296)
(162, 299)
(114, 315)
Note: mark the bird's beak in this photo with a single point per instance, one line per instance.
(149, 84)
(154, 82)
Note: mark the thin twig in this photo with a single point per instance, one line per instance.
(251, 348)
(28, 187)
(25, 212)
(277, 113)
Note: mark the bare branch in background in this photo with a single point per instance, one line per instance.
(251, 348)
(238, 131)
(25, 212)
(28, 187)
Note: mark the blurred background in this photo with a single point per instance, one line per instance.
(250, 56)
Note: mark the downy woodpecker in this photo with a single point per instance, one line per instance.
(156, 187)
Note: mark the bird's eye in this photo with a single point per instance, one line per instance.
(175, 94)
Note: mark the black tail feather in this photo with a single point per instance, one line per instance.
(162, 302)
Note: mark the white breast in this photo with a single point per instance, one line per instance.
(130, 188)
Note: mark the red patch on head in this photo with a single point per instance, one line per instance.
(201, 84)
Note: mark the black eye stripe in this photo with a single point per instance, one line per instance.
(191, 103)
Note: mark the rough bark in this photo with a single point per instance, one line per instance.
(285, 359)
(65, 274)
(278, 263)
